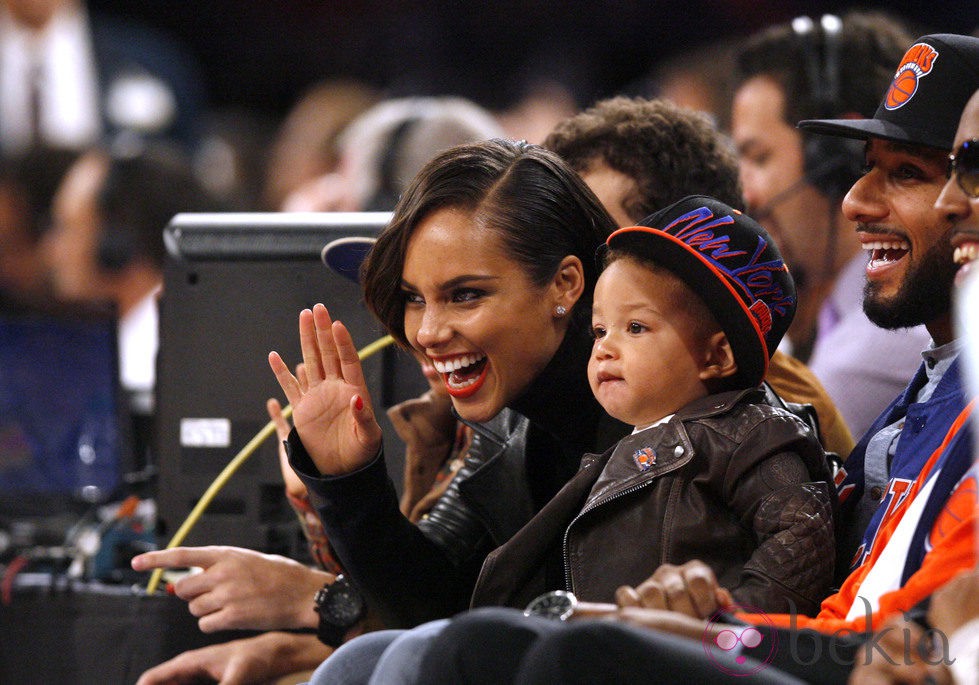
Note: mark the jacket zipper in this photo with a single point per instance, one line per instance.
(596, 505)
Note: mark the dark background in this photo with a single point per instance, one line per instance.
(260, 54)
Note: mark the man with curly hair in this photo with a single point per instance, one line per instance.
(641, 155)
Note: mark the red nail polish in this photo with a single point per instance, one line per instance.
(359, 403)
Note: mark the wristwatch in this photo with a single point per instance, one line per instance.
(340, 607)
(557, 604)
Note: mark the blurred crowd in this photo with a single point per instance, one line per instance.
(105, 104)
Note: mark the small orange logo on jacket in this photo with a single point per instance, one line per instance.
(644, 458)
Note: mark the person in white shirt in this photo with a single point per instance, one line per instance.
(70, 78)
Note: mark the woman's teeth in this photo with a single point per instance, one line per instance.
(450, 365)
(463, 375)
(459, 385)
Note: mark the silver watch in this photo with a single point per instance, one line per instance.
(557, 604)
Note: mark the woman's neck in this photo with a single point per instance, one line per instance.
(560, 400)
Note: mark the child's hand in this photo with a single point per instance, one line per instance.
(955, 603)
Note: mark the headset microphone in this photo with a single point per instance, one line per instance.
(765, 211)
(781, 196)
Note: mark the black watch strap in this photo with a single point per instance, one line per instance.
(340, 607)
(330, 634)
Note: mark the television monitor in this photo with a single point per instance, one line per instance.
(65, 440)
(234, 285)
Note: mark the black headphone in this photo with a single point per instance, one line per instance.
(831, 163)
(388, 187)
(141, 191)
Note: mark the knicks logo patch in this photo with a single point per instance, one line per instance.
(917, 63)
(644, 458)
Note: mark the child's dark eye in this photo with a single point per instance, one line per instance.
(635, 327)
(597, 332)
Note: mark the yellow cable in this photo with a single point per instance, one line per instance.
(234, 465)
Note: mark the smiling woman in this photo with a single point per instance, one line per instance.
(487, 270)
(459, 311)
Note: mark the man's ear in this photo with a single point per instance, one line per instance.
(719, 359)
(568, 283)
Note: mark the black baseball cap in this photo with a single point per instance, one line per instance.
(732, 263)
(934, 80)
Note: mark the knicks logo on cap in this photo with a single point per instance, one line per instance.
(916, 63)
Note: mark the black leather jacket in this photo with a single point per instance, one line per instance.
(414, 573)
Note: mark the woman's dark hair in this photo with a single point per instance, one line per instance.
(542, 210)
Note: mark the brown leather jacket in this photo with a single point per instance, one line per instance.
(435, 446)
(729, 480)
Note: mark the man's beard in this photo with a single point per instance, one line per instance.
(924, 295)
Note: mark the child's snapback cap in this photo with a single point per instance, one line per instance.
(732, 263)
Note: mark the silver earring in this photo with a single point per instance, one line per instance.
(560, 310)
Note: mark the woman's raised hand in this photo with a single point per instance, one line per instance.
(331, 408)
